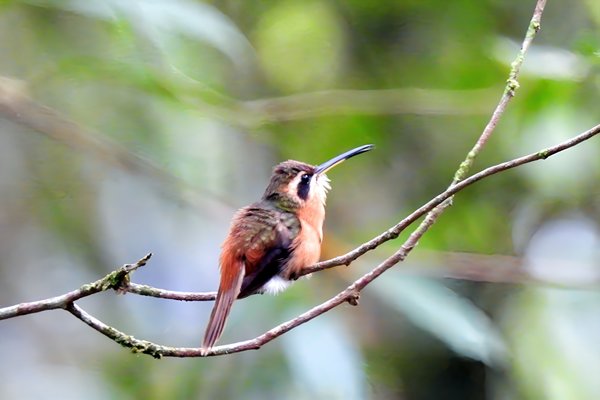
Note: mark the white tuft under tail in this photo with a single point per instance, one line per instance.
(276, 285)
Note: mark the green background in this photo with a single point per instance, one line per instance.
(181, 108)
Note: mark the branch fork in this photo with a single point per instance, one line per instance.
(119, 280)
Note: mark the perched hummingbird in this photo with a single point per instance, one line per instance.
(271, 241)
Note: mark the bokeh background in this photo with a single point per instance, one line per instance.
(179, 109)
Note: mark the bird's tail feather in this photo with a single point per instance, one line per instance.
(229, 290)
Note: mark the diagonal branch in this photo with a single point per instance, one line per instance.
(351, 293)
(117, 279)
(465, 166)
(512, 84)
(434, 208)
(396, 230)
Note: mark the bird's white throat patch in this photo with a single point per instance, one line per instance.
(321, 187)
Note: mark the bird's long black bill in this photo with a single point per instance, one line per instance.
(326, 166)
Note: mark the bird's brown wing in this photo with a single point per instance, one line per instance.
(270, 263)
(256, 248)
(269, 248)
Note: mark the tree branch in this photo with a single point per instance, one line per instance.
(119, 279)
(512, 84)
(145, 290)
(114, 280)
(465, 166)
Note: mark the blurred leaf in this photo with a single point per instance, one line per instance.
(544, 61)
(564, 250)
(562, 325)
(300, 45)
(159, 20)
(440, 311)
(143, 77)
(557, 356)
(552, 125)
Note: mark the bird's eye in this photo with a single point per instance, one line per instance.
(304, 186)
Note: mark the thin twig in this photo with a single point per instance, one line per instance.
(393, 232)
(512, 84)
(114, 280)
(145, 290)
(465, 166)
(136, 345)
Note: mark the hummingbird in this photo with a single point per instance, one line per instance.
(271, 241)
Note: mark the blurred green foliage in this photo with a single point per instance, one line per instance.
(205, 97)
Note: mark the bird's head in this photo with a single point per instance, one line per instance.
(295, 184)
